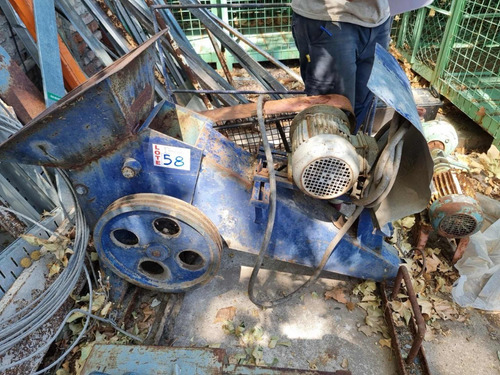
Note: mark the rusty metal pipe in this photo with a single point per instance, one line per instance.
(420, 334)
(221, 57)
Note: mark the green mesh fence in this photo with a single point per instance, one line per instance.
(268, 28)
(455, 44)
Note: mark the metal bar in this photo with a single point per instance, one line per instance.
(279, 107)
(460, 250)
(131, 23)
(197, 6)
(72, 73)
(205, 72)
(182, 61)
(20, 29)
(93, 43)
(48, 51)
(417, 33)
(402, 30)
(439, 10)
(420, 334)
(248, 42)
(247, 124)
(253, 68)
(244, 92)
(457, 8)
(221, 57)
(120, 43)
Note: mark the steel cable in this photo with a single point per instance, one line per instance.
(30, 318)
(270, 224)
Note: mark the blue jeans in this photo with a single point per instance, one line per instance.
(337, 58)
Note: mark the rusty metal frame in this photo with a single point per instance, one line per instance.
(416, 355)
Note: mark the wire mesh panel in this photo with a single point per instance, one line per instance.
(455, 44)
(473, 67)
(269, 28)
(260, 20)
(189, 23)
(245, 132)
(435, 21)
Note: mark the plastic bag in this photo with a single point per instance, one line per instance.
(479, 268)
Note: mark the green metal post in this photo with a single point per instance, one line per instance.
(402, 31)
(419, 26)
(457, 8)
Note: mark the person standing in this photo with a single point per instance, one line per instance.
(336, 42)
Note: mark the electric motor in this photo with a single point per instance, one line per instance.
(453, 211)
(326, 159)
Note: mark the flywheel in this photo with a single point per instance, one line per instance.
(158, 242)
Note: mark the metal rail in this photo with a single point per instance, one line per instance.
(197, 6)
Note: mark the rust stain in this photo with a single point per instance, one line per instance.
(141, 99)
(229, 172)
(273, 107)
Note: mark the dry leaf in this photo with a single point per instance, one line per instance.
(226, 313)
(365, 288)
(408, 222)
(345, 363)
(368, 331)
(425, 305)
(106, 308)
(273, 341)
(35, 255)
(350, 305)
(336, 294)
(98, 302)
(385, 342)
(54, 269)
(493, 153)
(25, 262)
(432, 263)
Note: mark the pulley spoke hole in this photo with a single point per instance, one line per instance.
(124, 237)
(153, 269)
(167, 227)
(191, 260)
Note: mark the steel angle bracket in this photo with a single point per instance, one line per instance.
(411, 191)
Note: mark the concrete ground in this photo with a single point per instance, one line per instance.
(322, 334)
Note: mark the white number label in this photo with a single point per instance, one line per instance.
(172, 157)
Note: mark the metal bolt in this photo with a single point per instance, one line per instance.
(131, 168)
(128, 172)
(81, 189)
(156, 253)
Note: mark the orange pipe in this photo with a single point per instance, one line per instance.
(72, 73)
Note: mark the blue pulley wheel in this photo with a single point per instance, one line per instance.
(158, 242)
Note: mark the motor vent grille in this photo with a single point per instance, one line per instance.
(458, 225)
(327, 178)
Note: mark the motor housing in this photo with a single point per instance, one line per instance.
(326, 159)
(453, 210)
